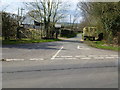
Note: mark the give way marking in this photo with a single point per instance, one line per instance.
(83, 48)
(53, 57)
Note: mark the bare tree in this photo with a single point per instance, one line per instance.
(47, 11)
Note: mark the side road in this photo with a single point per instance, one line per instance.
(62, 64)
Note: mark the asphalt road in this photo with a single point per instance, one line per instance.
(63, 64)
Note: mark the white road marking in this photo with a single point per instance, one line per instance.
(83, 48)
(117, 57)
(32, 59)
(57, 53)
(69, 58)
(103, 55)
(81, 56)
(59, 58)
(14, 60)
(78, 47)
(66, 56)
(109, 57)
(114, 55)
(98, 57)
(86, 58)
(92, 55)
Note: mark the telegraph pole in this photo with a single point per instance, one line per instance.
(70, 20)
(18, 17)
(19, 22)
(22, 13)
(18, 28)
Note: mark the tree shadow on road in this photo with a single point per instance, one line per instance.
(45, 46)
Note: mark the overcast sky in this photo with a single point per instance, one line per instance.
(13, 5)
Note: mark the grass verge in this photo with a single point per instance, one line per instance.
(102, 45)
(23, 41)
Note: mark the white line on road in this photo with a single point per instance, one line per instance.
(57, 53)
(92, 55)
(98, 57)
(86, 58)
(103, 55)
(14, 60)
(83, 48)
(114, 55)
(70, 58)
(66, 56)
(58, 58)
(78, 47)
(81, 56)
(32, 59)
(117, 57)
(109, 57)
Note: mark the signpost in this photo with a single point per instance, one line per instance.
(57, 27)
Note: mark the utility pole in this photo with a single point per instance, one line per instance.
(22, 13)
(18, 28)
(18, 17)
(18, 11)
(70, 20)
(19, 22)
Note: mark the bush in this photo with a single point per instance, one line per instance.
(68, 33)
(9, 25)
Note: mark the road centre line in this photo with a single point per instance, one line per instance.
(57, 53)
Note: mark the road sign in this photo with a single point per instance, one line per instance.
(57, 25)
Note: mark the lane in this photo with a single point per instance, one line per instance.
(87, 55)
(65, 66)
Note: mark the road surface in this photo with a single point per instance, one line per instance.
(63, 64)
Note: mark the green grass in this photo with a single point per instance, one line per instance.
(102, 45)
(69, 35)
(23, 41)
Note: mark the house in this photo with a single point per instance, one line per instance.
(29, 23)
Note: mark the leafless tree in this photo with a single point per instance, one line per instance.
(47, 11)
